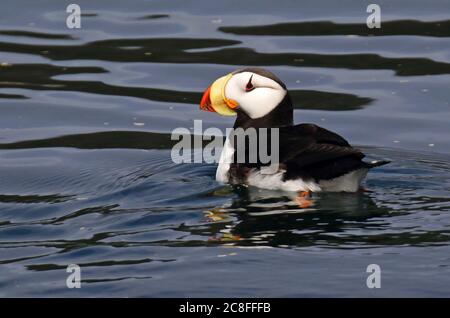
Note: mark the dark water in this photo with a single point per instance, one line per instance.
(85, 169)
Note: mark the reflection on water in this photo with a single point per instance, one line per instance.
(275, 220)
(318, 28)
(86, 177)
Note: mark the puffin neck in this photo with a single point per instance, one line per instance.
(282, 115)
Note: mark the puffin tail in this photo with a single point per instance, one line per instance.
(376, 163)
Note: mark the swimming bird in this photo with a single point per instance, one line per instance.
(311, 158)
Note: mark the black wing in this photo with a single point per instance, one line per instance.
(305, 151)
(310, 151)
(309, 143)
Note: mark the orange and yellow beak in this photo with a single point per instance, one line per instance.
(214, 99)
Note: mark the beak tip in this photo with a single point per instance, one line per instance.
(205, 103)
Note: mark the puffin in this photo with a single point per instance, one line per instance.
(310, 159)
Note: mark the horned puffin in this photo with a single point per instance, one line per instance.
(311, 158)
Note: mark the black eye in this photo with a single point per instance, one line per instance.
(249, 87)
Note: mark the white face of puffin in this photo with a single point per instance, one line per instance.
(256, 95)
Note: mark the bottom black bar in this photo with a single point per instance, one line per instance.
(215, 307)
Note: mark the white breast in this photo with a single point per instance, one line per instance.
(226, 158)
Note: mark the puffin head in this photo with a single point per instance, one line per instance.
(255, 91)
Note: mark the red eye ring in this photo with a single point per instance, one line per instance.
(249, 87)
